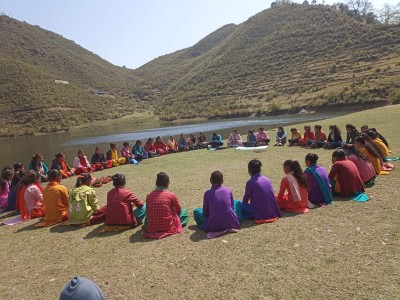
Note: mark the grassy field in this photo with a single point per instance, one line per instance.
(347, 251)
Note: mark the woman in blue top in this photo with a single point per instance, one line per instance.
(39, 166)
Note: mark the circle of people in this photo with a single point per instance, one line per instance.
(357, 162)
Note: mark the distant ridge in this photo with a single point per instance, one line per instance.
(283, 59)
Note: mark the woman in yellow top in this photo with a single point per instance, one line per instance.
(296, 137)
(378, 143)
(112, 154)
(55, 199)
(368, 150)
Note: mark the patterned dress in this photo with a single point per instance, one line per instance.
(163, 209)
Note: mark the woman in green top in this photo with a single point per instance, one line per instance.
(83, 201)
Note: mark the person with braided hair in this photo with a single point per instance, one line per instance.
(293, 192)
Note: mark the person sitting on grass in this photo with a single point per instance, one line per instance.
(127, 153)
(7, 175)
(320, 191)
(380, 136)
(281, 137)
(363, 164)
(82, 165)
(370, 151)
(191, 142)
(59, 164)
(293, 191)
(172, 144)
(99, 160)
(202, 141)
(55, 199)
(183, 145)
(82, 202)
(139, 151)
(262, 137)
(30, 197)
(215, 140)
(295, 138)
(334, 138)
(344, 176)
(119, 213)
(160, 146)
(164, 214)
(112, 154)
(351, 134)
(220, 213)
(251, 139)
(39, 166)
(258, 201)
(235, 139)
(308, 136)
(378, 144)
(320, 138)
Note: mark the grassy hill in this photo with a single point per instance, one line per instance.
(31, 59)
(281, 60)
(284, 58)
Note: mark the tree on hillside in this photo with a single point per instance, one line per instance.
(389, 14)
(361, 8)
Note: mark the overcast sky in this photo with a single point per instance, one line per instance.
(133, 32)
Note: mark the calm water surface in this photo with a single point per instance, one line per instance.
(22, 149)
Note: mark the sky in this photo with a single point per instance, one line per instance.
(133, 32)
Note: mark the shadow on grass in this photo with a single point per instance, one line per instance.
(95, 233)
(340, 198)
(138, 237)
(61, 228)
(197, 234)
(30, 227)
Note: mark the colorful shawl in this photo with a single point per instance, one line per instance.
(326, 193)
(294, 187)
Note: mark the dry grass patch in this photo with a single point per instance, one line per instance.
(346, 251)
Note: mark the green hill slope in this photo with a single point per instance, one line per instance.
(283, 58)
(32, 59)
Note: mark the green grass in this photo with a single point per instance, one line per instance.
(347, 251)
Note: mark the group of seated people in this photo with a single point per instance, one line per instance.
(355, 166)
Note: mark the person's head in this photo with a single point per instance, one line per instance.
(293, 130)
(201, 133)
(192, 137)
(280, 129)
(317, 128)
(338, 154)
(334, 129)
(30, 177)
(162, 180)
(83, 179)
(307, 128)
(158, 139)
(81, 288)
(214, 134)
(126, 144)
(216, 178)
(254, 167)
(60, 156)
(350, 128)
(150, 141)
(364, 128)
(235, 130)
(98, 150)
(182, 135)
(113, 146)
(171, 137)
(138, 143)
(371, 134)
(81, 153)
(7, 174)
(359, 142)
(311, 159)
(250, 132)
(54, 175)
(37, 158)
(261, 129)
(118, 180)
(18, 167)
(293, 167)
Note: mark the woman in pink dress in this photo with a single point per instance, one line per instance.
(165, 216)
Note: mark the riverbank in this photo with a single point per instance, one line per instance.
(346, 251)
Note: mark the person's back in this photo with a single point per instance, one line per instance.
(218, 208)
(381, 146)
(364, 167)
(315, 195)
(82, 204)
(346, 174)
(119, 207)
(55, 199)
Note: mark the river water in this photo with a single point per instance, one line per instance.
(21, 149)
